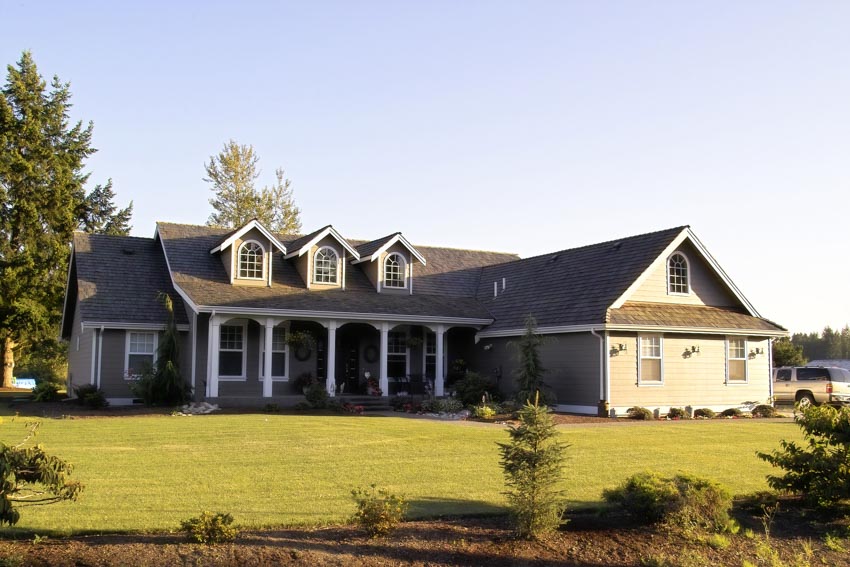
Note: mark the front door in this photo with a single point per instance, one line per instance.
(350, 350)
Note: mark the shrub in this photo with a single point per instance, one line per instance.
(764, 410)
(677, 413)
(532, 461)
(271, 408)
(472, 388)
(302, 406)
(704, 413)
(484, 412)
(398, 403)
(820, 469)
(210, 528)
(731, 412)
(89, 395)
(638, 412)
(46, 392)
(317, 396)
(682, 500)
(378, 511)
(447, 405)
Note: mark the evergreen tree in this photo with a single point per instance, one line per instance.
(786, 353)
(232, 174)
(42, 201)
(530, 372)
(532, 463)
(99, 215)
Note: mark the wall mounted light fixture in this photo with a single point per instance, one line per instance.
(695, 349)
(622, 347)
(488, 346)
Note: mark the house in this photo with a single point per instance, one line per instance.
(649, 320)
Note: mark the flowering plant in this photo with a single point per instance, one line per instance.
(373, 387)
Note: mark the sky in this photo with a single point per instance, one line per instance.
(524, 127)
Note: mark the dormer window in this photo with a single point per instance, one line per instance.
(394, 268)
(678, 282)
(251, 261)
(325, 266)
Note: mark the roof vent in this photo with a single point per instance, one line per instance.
(554, 258)
(617, 246)
(128, 252)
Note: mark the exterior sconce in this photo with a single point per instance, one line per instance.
(695, 349)
(622, 347)
(488, 346)
(757, 351)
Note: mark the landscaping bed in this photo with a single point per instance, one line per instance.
(587, 540)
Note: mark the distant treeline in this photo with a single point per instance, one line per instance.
(829, 344)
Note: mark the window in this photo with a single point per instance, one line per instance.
(231, 355)
(783, 375)
(279, 352)
(396, 355)
(394, 271)
(430, 355)
(812, 374)
(677, 275)
(325, 266)
(141, 348)
(251, 261)
(650, 369)
(736, 360)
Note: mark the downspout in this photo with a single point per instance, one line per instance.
(99, 355)
(93, 357)
(602, 364)
(193, 336)
(770, 368)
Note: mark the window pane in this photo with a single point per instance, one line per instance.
(784, 375)
(737, 348)
(650, 347)
(324, 269)
(737, 370)
(677, 273)
(394, 271)
(139, 363)
(396, 343)
(141, 343)
(251, 261)
(396, 366)
(278, 339)
(231, 337)
(650, 370)
(230, 363)
(278, 364)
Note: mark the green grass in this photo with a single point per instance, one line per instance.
(150, 472)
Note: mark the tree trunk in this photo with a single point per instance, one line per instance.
(8, 361)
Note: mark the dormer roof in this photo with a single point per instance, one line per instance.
(302, 245)
(371, 251)
(234, 235)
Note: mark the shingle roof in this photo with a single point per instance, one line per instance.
(301, 240)
(570, 287)
(118, 279)
(444, 290)
(369, 248)
(687, 316)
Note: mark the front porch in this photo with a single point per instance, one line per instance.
(348, 357)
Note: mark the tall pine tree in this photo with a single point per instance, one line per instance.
(42, 201)
(232, 174)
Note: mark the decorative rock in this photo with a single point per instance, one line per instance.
(198, 408)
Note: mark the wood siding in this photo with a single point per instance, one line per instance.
(79, 359)
(689, 379)
(706, 287)
(571, 362)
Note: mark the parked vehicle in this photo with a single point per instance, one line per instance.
(811, 385)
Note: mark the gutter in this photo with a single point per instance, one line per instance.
(603, 367)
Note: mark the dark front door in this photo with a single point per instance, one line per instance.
(350, 350)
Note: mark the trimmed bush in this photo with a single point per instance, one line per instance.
(683, 500)
(704, 413)
(731, 412)
(677, 413)
(88, 395)
(46, 391)
(640, 413)
(210, 528)
(447, 405)
(378, 511)
(472, 388)
(317, 396)
(484, 412)
(764, 410)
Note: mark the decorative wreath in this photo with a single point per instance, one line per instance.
(303, 352)
(371, 354)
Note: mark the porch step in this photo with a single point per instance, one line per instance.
(369, 403)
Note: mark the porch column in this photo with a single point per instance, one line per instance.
(330, 383)
(438, 367)
(215, 342)
(384, 383)
(267, 359)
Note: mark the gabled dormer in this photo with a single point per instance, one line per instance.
(320, 258)
(388, 263)
(246, 254)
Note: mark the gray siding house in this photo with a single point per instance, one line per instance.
(648, 320)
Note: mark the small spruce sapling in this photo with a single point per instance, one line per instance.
(532, 461)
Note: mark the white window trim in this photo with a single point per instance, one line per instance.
(127, 353)
(243, 376)
(262, 349)
(239, 261)
(406, 352)
(425, 354)
(746, 359)
(313, 267)
(687, 271)
(640, 357)
(403, 265)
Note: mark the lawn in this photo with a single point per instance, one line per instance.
(147, 473)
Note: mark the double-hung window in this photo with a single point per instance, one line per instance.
(736, 360)
(650, 367)
(231, 352)
(279, 352)
(396, 355)
(430, 355)
(141, 350)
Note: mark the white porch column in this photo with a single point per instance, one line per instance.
(267, 358)
(215, 342)
(384, 383)
(330, 383)
(438, 367)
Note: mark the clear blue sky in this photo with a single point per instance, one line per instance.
(525, 127)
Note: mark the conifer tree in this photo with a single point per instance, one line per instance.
(530, 373)
(232, 174)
